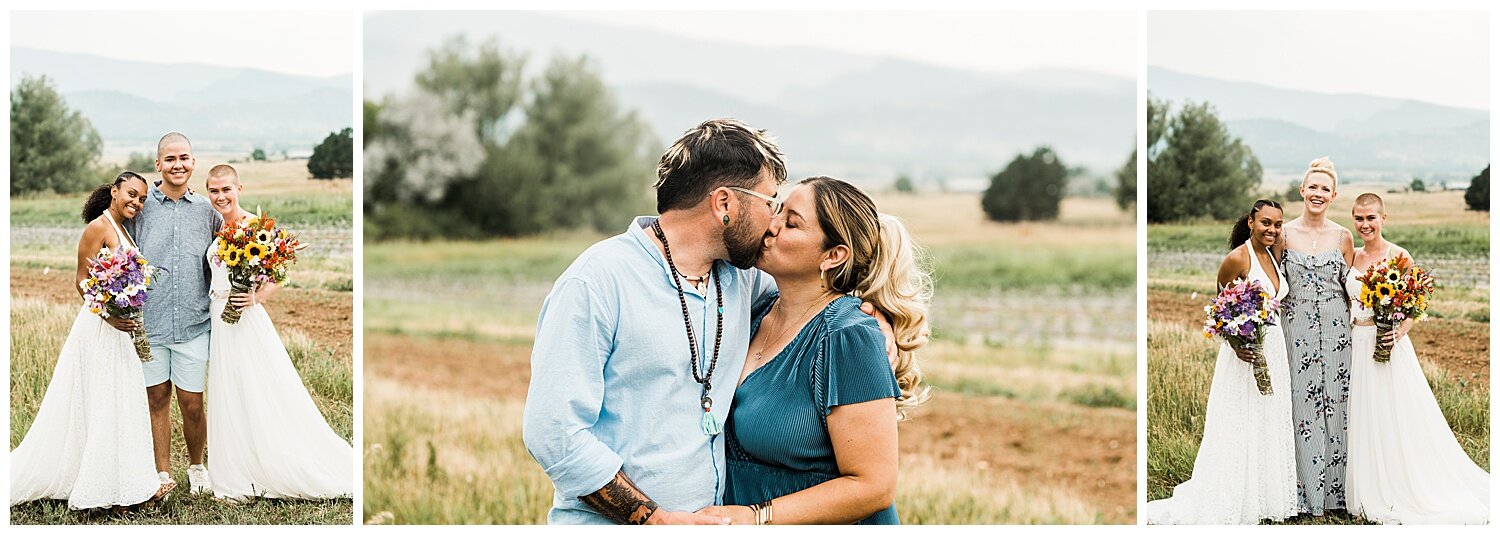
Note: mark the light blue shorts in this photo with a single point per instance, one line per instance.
(185, 363)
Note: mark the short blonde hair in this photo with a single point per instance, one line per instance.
(222, 170)
(1366, 199)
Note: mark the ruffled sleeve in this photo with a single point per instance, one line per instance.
(853, 368)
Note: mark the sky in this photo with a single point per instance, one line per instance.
(1437, 57)
(309, 43)
(1092, 41)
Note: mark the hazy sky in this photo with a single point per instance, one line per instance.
(980, 40)
(1438, 57)
(313, 43)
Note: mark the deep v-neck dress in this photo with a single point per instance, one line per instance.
(778, 439)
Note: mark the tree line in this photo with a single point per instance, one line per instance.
(56, 149)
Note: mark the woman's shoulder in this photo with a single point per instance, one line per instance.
(844, 313)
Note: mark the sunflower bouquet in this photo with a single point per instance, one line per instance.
(1395, 290)
(116, 287)
(1240, 314)
(255, 251)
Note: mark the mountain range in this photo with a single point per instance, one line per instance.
(223, 109)
(861, 117)
(1368, 134)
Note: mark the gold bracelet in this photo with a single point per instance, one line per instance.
(755, 511)
(770, 514)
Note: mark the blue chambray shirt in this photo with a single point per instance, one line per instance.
(611, 383)
(176, 235)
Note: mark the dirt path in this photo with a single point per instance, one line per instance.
(1091, 451)
(326, 317)
(1461, 347)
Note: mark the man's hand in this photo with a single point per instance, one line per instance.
(123, 325)
(733, 514)
(885, 329)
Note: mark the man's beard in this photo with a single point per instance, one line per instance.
(743, 241)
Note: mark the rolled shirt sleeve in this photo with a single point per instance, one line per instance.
(566, 395)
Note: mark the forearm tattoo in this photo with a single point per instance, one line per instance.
(621, 501)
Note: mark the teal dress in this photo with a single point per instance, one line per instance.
(777, 436)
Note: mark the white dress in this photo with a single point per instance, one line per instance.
(1405, 467)
(1246, 468)
(90, 443)
(266, 437)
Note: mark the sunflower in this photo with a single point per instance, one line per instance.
(231, 257)
(257, 250)
(1385, 292)
(264, 236)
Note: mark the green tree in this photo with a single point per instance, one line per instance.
(1293, 191)
(1478, 194)
(1199, 169)
(485, 80)
(904, 185)
(371, 123)
(258, 155)
(1030, 188)
(334, 157)
(1125, 183)
(52, 148)
(1418, 185)
(577, 162)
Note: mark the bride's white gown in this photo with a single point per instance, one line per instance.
(90, 443)
(266, 437)
(1245, 470)
(1405, 467)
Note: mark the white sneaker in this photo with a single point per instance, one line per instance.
(198, 481)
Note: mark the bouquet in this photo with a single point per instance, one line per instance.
(256, 251)
(1394, 289)
(116, 286)
(1239, 314)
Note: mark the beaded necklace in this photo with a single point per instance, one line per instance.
(709, 425)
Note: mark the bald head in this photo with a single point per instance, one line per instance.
(170, 139)
(1370, 199)
(222, 171)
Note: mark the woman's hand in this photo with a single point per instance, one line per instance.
(1400, 331)
(1244, 353)
(242, 301)
(738, 514)
(123, 325)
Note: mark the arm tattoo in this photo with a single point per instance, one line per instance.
(621, 501)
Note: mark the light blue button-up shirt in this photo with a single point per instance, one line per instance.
(611, 383)
(176, 234)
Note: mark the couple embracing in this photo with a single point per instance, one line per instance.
(101, 437)
(716, 364)
(1339, 430)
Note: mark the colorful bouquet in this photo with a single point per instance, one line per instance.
(1394, 289)
(116, 286)
(1239, 314)
(256, 252)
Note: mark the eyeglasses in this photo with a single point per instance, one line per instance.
(771, 201)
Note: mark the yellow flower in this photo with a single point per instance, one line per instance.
(256, 249)
(232, 257)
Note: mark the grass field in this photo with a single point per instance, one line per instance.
(314, 316)
(1453, 346)
(1033, 420)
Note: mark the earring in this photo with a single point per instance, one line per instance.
(726, 220)
(823, 278)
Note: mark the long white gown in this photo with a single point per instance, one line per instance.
(1246, 468)
(90, 443)
(1405, 466)
(266, 437)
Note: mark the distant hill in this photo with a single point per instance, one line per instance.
(1377, 135)
(865, 118)
(132, 103)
